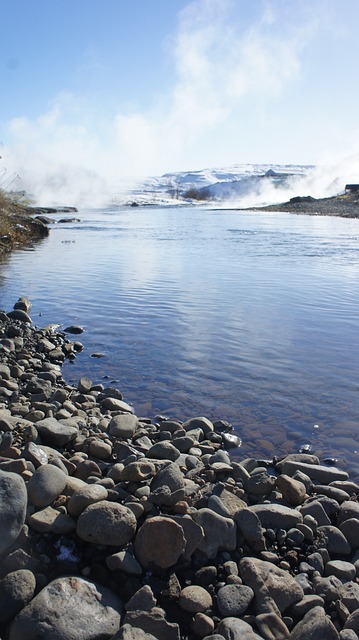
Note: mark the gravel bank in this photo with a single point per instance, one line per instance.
(114, 525)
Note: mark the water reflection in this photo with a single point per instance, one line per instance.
(246, 317)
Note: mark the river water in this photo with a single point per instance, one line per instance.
(247, 317)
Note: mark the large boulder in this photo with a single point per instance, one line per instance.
(13, 503)
(69, 608)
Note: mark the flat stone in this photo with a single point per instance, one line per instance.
(345, 571)
(192, 532)
(13, 504)
(159, 543)
(69, 608)
(108, 523)
(316, 510)
(100, 449)
(51, 520)
(114, 404)
(54, 433)
(199, 423)
(318, 473)
(276, 516)
(272, 627)
(348, 509)
(45, 485)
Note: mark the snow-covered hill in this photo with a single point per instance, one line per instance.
(239, 185)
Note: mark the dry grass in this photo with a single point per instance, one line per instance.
(16, 225)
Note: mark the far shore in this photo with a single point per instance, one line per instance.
(343, 206)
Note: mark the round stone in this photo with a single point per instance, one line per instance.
(45, 485)
(82, 498)
(234, 599)
(108, 523)
(159, 543)
(195, 599)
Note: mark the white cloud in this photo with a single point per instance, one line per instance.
(216, 64)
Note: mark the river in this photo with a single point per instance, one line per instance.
(242, 316)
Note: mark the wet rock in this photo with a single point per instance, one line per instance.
(69, 608)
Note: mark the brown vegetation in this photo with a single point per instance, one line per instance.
(17, 227)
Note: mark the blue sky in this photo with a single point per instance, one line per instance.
(143, 87)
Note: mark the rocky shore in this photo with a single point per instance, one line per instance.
(117, 526)
(344, 206)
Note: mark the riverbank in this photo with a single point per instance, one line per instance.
(344, 206)
(123, 526)
(17, 225)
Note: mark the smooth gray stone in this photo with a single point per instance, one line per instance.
(276, 516)
(316, 472)
(16, 591)
(13, 504)
(108, 523)
(45, 485)
(123, 426)
(234, 599)
(55, 433)
(337, 542)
